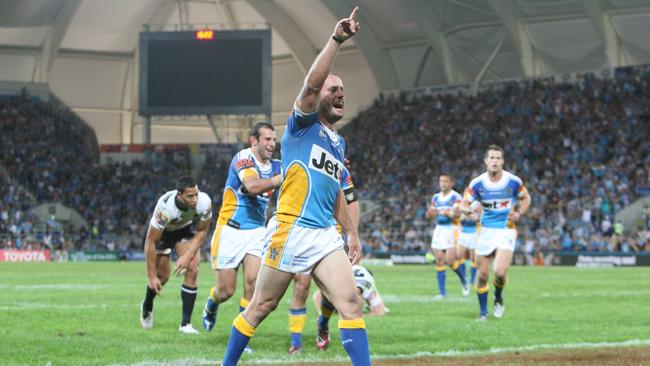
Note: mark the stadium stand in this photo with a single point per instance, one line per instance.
(580, 146)
(44, 150)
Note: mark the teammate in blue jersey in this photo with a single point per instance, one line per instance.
(467, 242)
(445, 208)
(239, 234)
(503, 199)
(302, 281)
(303, 234)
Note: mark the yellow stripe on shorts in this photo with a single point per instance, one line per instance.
(293, 195)
(214, 246)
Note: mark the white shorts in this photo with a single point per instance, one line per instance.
(490, 239)
(230, 245)
(444, 237)
(294, 249)
(468, 240)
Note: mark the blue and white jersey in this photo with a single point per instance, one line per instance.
(312, 162)
(443, 202)
(239, 209)
(497, 198)
(468, 226)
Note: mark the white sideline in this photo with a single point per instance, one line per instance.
(450, 353)
(56, 286)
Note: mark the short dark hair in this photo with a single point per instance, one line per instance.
(255, 130)
(445, 174)
(494, 148)
(185, 182)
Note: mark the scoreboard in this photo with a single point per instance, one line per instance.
(205, 72)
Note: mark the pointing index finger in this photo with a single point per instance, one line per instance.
(355, 11)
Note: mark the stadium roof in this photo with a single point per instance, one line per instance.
(86, 49)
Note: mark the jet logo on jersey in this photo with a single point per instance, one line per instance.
(497, 204)
(323, 162)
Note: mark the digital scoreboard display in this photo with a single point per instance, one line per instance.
(205, 72)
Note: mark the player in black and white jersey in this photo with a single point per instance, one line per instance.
(180, 222)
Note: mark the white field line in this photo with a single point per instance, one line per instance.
(450, 353)
(70, 286)
(17, 306)
(595, 293)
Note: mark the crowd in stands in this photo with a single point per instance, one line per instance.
(581, 148)
(41, 150)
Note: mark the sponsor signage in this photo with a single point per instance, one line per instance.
(408, 259)
(602, 260)
(94, 256)
(18, 255)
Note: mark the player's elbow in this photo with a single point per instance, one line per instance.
(253, 188)
(378, 310)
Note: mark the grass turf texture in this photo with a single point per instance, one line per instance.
(87, 314)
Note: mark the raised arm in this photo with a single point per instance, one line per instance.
(308, 97)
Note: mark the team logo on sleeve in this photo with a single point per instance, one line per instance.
(323, 162)
(162, 217)
(244, 163)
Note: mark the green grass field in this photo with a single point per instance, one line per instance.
(87, 314)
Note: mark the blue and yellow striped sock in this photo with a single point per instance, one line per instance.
(461, 273)
(297, 318)
(243, 304)
(241, 333)
(212, 306)
(355, 341)
(442, 278)
(498, 289)
(472, 272)
(462, 268)
(482, 293)
(326, 310)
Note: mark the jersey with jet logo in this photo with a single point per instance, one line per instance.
(497, 198)
(312, 162)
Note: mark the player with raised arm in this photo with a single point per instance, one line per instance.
(503, 199)
(303, 234)
(238, 238)
(445, 209)
(180, 222)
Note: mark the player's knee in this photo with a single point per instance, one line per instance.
(500, 274)
(301, 292)
(225, 292)
(500, 278)
(163, 277)
(249, 284)
(349, 307)
(265, 307)
(190, 278)
(483, 277)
